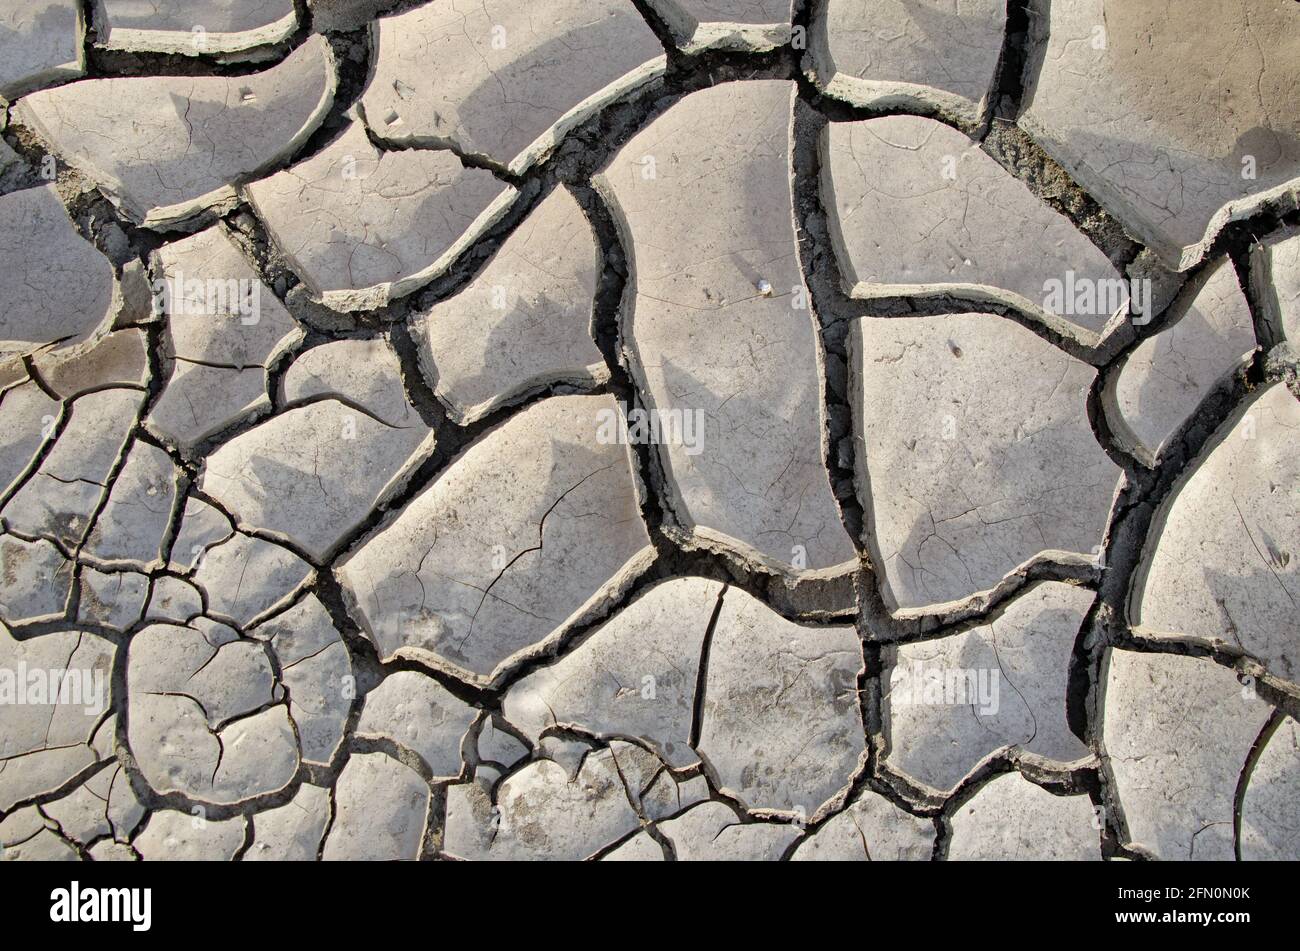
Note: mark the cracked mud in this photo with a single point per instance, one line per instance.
(649, 430)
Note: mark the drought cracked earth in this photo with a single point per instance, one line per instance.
(671, 429)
